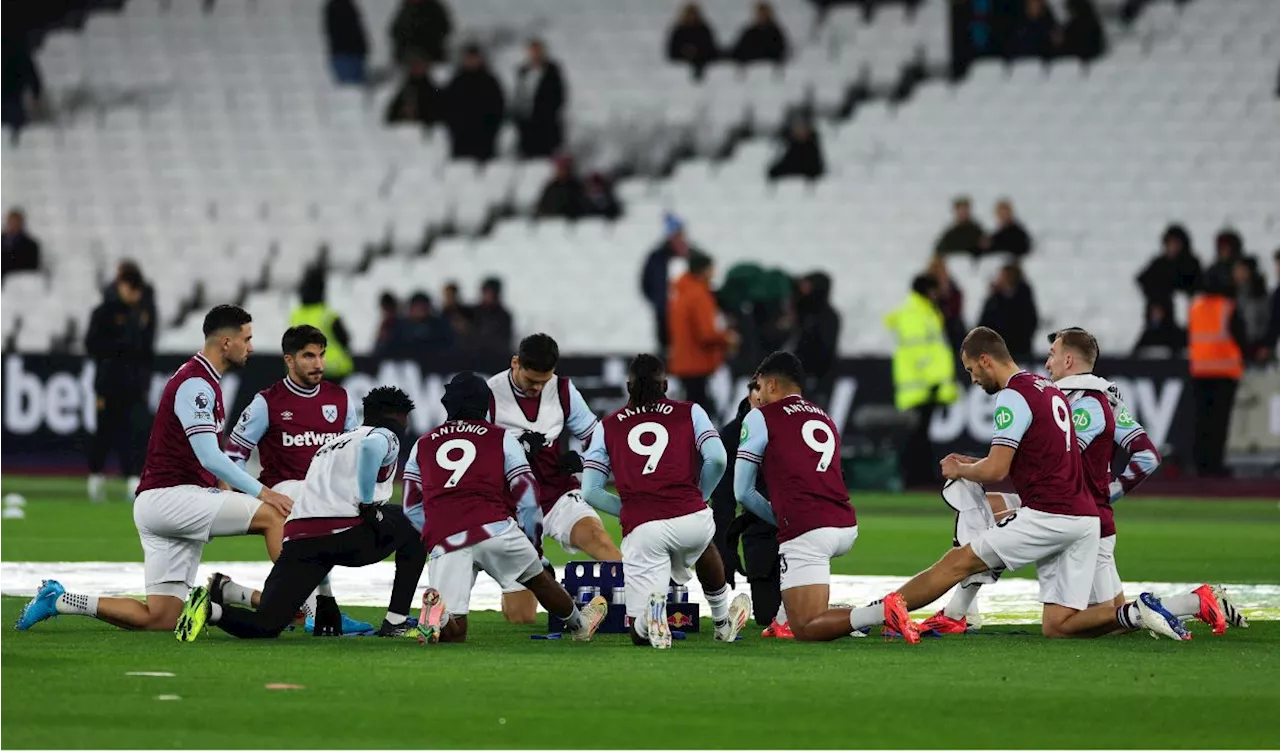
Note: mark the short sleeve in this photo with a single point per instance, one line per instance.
(1012, 418)
(1089, 420)
(1127, 428)
(354, 408)
(597, 456)
(582, 421)
(193, 404)
(514, 461)
(411, 469)
(703, 429)
(251, 426)
(753, 438)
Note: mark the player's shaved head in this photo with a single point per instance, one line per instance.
(646, 381)
(986, 359)
(781, 374)
(388, 407)
(1080, 342)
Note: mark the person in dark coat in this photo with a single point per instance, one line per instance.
(950, 300)
(759, 539)
(121, 342)
(418, 100)
(474, 107)
(691, 40)
(1228, 248)
(818, 324)
(1011, 311)
(655, 283)
(537, 103)
(1176, 269)
(420, 29)
(388, 321)
(1082, 35)
(21, 250)
(22, 86)
(802, 155)
(1033, 37)
(564, 194)
(1161, 335)
(600, 198)
(492, 326)
(348, 42)
(1010, 236)
(421, 333)
(964, 235)
(762, 39)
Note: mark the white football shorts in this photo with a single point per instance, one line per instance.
(806, 560)
(175, 523)
(1063, 548)
(659, 551)
(507, 557)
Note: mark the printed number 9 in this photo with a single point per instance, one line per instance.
(1062, 416)
(653, 451)
(458, 467)
(818, 437)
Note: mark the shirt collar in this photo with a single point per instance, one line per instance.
(208, 366)
(299, 390)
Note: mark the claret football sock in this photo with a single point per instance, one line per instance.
(69, 604)
(719, 602)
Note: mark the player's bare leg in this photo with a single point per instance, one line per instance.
(582, 623)
(158, 613)
(810, 615)
(520, 608)
(589, 536)
(269, 523)
(932, 583)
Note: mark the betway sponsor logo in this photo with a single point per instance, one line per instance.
(307, 439)
(63, 401)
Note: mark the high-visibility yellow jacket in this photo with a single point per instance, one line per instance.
(923, 358)
(337, 360)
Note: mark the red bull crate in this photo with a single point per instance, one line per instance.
(586, 579)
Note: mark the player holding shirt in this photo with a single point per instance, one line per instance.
(1101, 423)
(341, 518)
(1056, 527)
(288, 423)
(178, 507)
(462, 477)
(540, 408)
(797, 446)
(652, 447)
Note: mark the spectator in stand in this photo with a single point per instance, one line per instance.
(147, 305)
(1161, 335)
(1253, 305)
(1082, 36)
(1272, 340)
(1033, 36)
(474, 106)
(348, 42)
(692, 41)
(314, 311)
(1010, 236)
(418, 100)
(600, 198)
(564, 194)
(698, 344)
(388, 321)
(21, 250)
(950, 300)
(537, 103)
(492, 328)
(22, 88)
(818, 324)
(964, 235)
(420, 29)
(762, 39)
(1228, 248)
(1011, 311)
(1176, 269)
(801, 156)
(655, 279)
(421, 333)
(454, 312)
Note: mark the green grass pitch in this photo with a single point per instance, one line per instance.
(65, 682)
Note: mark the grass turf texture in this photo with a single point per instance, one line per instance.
(67, 686)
